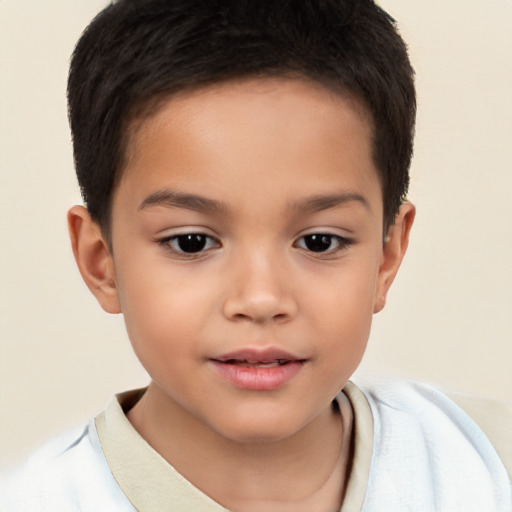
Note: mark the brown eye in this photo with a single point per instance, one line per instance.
(318, 243)
(322, 242)
(190, 243)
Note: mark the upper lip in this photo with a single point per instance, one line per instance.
(255, 355)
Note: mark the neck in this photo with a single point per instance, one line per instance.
(306, 471)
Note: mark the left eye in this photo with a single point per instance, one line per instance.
(320, 242)
(190, 243)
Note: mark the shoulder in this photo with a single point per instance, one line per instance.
(495, 420)
(424, 437)
(431, 406)
(67, 473)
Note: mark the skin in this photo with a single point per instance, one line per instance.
(282, 160)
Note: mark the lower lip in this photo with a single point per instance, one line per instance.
(258, 379)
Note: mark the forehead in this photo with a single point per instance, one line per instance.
(303, 98)
(266, 131)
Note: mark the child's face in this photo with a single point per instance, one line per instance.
(248, 252)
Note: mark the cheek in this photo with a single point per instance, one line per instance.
(345, 314)
(347, 295)
(345, 335)
(163, 311)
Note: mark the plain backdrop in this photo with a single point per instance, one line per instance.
(449, 316)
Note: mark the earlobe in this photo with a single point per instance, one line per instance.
(94, 258)
(395, 247)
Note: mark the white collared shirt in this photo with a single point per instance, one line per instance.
(414, 450)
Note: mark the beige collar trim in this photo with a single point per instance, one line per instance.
(363, 449)
(151, 484)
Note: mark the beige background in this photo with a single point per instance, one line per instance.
(449, 318)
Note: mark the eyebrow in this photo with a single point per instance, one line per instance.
(172, 199)
(324, 202)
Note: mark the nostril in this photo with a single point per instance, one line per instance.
(241, 316)
(257, 306)
(279, 317)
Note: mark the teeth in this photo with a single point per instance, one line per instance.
(262, 365)
(258, 364)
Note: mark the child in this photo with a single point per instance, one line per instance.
(245, 166)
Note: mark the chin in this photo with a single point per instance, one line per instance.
(259, 428)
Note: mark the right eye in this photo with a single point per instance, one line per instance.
(323, 243)
(190, 243)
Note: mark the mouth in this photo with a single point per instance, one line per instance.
(244, 363)
(255, 356)
(258, 370)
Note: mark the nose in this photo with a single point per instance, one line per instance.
(260, 291)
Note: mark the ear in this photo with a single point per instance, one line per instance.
(394, 249)
(93, 257)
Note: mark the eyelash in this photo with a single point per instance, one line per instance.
(194, 238)
(203, 243)
(342, 243)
